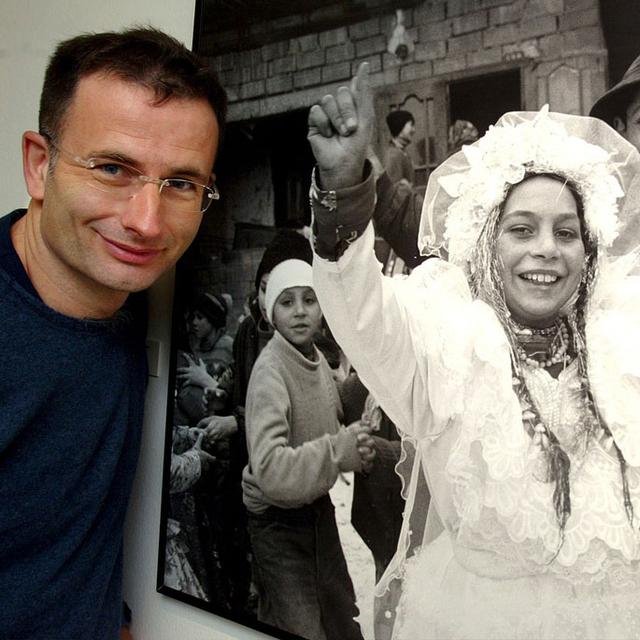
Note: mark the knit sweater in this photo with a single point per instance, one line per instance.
(296, 445)
(72, 396)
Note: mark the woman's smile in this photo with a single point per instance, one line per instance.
(540, 277)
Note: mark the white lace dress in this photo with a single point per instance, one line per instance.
(491, 563)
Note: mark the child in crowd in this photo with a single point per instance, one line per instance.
(297, 448)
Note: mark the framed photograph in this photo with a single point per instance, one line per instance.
(275, 60)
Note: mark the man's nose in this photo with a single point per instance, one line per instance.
(143, 213)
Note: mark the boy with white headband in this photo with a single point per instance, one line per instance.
(297, 448)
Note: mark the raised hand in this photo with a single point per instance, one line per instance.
(340, 132)
(196, 373)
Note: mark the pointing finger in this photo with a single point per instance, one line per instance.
(361, 90)
(360, 82)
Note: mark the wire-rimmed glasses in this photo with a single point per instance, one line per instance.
(122, 182)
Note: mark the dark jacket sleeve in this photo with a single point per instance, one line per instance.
(397, 218)
(340, 217)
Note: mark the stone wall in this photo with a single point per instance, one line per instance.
(557, 46)
(450, 36)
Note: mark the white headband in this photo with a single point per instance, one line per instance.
(287, 274)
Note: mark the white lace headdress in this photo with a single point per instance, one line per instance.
(470, 186)
(463, 195)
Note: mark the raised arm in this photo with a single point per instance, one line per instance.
(340, 129)
(367, 313)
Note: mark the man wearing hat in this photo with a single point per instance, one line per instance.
(620, 106)
(398, 164)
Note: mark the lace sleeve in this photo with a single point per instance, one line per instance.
(613, 336)
(368, 316)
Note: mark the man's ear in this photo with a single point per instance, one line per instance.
(619, 125)
(35, 163)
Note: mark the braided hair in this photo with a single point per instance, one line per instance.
(486, 283)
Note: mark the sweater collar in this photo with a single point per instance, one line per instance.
(286, 349)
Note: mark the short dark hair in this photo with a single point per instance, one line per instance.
(142, 55)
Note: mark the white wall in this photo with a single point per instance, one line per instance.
(29, 30)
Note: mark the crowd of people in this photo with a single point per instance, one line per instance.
(257, 443)
(471, 396)
(259, 438)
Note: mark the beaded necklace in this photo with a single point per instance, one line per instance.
(590, 426)
(547, 346)
(544, 348)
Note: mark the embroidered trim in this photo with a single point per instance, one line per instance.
(328, 199)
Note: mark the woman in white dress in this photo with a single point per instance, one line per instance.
(510, 362)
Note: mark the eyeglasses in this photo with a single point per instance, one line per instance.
(122, 182)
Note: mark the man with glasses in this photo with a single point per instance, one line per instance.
(119, 176)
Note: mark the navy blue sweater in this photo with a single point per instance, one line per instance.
(71, 403)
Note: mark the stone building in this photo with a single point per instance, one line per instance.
(468, 59)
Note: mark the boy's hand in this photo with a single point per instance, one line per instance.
(206, 459)
(366, 449)
(218, 427)
(340, 132)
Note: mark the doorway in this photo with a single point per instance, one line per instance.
(483, 99)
